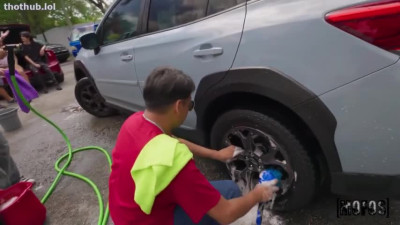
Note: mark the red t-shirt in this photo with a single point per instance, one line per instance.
(189, 189)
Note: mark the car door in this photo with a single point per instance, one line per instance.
(113, 68)
(199, 37)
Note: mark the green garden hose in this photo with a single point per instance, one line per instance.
(103, 215)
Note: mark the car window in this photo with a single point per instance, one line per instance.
(122, 22)
(169, 13)
(215, 6)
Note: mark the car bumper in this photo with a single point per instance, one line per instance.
(366, 185)
(367, 135)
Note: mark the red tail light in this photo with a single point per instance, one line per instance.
(377, 23)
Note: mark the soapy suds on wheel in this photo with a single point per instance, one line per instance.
(268, 218)
(243, 183)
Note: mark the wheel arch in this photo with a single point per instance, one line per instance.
(270, 91)
(81, 71)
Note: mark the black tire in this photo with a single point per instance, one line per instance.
(59, 77)
(302, 188)
(90, 100)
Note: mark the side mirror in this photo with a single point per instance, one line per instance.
(89, 41)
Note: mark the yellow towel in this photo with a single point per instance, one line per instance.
(158, 163)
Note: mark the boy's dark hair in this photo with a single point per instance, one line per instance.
(26, 34)
(164, 86)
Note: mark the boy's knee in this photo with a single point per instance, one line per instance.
(234, 189)
(227, 188)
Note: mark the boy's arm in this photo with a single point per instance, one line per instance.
(222, 155)
(228, 211)
(196, 196)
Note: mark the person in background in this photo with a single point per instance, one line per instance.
(3, 93)
(9, 173)
(34, 54)
(4, 61)
(4, 66)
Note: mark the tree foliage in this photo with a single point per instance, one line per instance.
(66, 13)
(100, 4)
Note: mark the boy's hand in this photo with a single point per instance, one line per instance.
(265, 190)
(226, 154)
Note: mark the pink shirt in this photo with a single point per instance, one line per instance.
(3, 62)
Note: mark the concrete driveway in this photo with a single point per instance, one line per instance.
(36, 146)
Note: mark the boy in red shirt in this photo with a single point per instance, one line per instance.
(154, 179)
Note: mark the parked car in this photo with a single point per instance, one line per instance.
(52, 61)
(77, 33)
(61, 51)
(309, 87)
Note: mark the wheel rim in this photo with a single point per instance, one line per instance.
(262, 151)
(92, 100)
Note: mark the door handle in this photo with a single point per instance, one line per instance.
(208, 52)
(126, 58)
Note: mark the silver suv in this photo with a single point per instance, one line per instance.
(310, 87)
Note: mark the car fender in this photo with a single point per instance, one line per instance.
(278, 87)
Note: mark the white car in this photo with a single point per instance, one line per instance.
(309, 87)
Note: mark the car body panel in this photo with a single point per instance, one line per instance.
(176, 47)
(115, 79)
(351, 98)
(304, 46)
(368, 125)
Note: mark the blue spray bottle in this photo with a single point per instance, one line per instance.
(267, 175)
